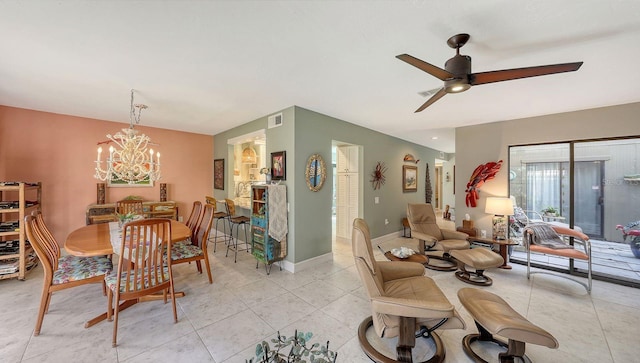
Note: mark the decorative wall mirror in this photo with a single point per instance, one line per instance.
(315, 173)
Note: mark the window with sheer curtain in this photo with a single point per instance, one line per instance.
(544, 183)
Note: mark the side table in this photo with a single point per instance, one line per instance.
(422, 259)
(502, 243)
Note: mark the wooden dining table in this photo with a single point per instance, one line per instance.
(95, 240)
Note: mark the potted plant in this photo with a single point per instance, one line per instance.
(631, 230)
(550, 211)
(125, 218)
(298, 353)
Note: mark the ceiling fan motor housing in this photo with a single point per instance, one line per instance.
(460, 66)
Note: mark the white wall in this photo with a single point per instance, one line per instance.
(480, 144)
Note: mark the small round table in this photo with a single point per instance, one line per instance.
(422, 259)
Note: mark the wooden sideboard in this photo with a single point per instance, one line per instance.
(104, 213)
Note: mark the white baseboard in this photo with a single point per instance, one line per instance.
(314, 261)
(386, 237)
(307, 264)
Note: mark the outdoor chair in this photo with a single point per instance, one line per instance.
(552, 240)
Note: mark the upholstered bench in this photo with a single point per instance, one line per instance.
(478, 258)
(493, 315)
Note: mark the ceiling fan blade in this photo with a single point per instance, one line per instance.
(433, 99)
(516, 73)
(429, 68)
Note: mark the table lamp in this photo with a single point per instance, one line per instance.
(500, 207)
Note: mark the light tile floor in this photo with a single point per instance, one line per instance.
(224, 321)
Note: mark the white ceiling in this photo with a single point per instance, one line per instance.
(208, 66)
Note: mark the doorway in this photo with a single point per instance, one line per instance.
(589, 197)
(347, 187)
(437, 202)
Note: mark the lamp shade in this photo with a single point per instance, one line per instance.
(499, 206)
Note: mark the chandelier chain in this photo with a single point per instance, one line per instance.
(132, 115)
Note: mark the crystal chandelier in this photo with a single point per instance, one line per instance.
(130, 161)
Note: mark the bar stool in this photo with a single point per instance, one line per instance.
(218, 216)
(237, 221)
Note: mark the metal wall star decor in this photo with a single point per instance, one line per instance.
(377, 176)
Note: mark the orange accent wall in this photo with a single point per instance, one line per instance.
(60, 151)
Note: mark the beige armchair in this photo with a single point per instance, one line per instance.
(422, 220)
(403, 301)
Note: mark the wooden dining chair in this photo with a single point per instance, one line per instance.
(192, 222)
(197, 250)
(143, 266)
(236, 220)
(60, 272)
(129, 206)
(218, 216)
(194, 217)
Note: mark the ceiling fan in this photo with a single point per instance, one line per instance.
(457, 74)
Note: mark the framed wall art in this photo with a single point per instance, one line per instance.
(115, 182)
(409, 178)
(218, 174)
(279, 165)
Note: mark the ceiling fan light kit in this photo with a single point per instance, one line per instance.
(457, 76)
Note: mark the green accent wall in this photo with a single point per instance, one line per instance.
(305, 132)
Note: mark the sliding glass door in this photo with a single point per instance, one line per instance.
(589, 195)
(539, 180)
(594, 186)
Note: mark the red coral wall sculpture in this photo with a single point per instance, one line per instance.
(482, 173)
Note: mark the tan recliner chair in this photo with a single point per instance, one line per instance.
(403, 301)
(422, 220)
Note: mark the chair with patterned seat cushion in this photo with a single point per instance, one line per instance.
(143, 267)
(60, 272)
(192, 221)
(197, 250)
(194, 217)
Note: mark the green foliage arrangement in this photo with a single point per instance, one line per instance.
(133, 197)
(298, 353)
(125, 217)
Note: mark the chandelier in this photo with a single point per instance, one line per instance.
(129, 161)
